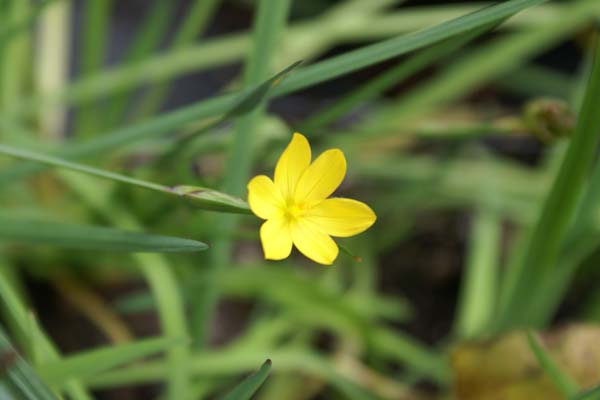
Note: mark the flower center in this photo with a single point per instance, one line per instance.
(294, 211)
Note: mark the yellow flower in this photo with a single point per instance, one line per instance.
(297, 209)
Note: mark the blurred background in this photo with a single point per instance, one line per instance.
(455, 145)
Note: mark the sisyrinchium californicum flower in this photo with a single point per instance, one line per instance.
(297, 207)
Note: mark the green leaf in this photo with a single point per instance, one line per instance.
(213, 200)
(590, 394)
(200, 197)
(247, 102)
(18, 231)
(563, 382)
(258, 94)
(8, 31)
(251, 384)
(31, 337)
(478, 292)
(155, 25)
(89, 363)
(197, 18)
(524, 283)
(17, 379)
(345, 63)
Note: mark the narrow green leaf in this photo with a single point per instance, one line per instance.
(32, 338)
(200, 197)
(17, 379)
(524, 280)
(479, 288)
(155, 25)
(389, 78)
(86, 364)
(590, 394)
(343, 64)
(13, 230)
(258, 94)
(196, 20)
(8, 31)
(213, 200)
(567, 386)
(247, 102)
(92, 50)
(251, 384)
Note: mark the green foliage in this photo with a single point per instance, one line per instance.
(17, 379)
(245, 389)
(423, 88)
(563, 382)
(23, 231)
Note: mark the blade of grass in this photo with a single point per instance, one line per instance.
(247, 103)
(522, 282)
(91, 362)
(478, 290)
(246, 389)
(17, 377)
(563, 382)
(584, 234)
(16, 27)
(95, 22)
(352, 61)
(51, 66)
(198, 196)
(19, 231)
(155, 25)
(226, 363)
(387, 79)
(196, 20)
(590, 394)
(15, 55)
(20, 315)
(270, 19)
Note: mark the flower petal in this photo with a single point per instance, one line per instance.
(276, 239)
(341, 217)
(264, 198)
(292, 163)
(312, 242)
(321, 178)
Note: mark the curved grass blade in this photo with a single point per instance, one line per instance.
(590, 394)
(17, 378)
(567, 386)
(201, 197)
(89, 363)
(524, 281)
(251, 384)
(13, 230)
(345, 63)
(197, 18)
(154, 27)
(10, 30)
(247, 102)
